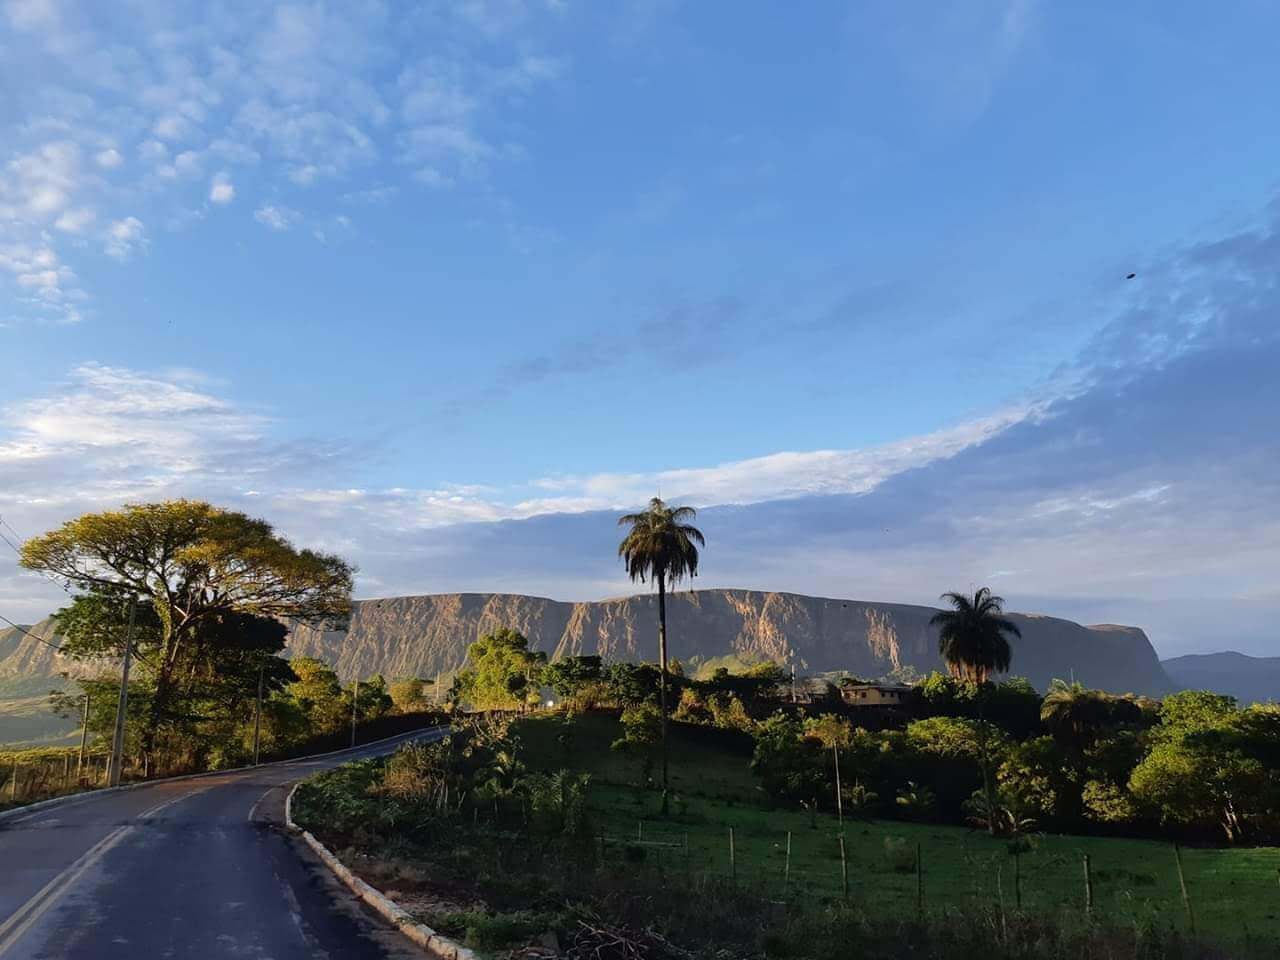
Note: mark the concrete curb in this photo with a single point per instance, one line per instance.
(21, 812)
(391, 911)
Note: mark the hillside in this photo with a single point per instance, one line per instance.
(1248, 679)
(427, 635)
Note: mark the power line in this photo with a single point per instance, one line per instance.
(12, 545)
(24, 630)
(64, 584)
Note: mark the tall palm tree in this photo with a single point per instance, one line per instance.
(973, 636)
(661, 546)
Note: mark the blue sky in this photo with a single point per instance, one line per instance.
(443, 287)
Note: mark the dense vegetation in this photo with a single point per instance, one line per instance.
(201, 597)
(1000, 755)
(537, 830)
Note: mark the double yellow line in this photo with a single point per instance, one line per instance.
(25, 917)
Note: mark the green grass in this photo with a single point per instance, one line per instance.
(28, 721)
(1234, 892)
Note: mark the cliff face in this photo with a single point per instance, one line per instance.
(424, 636)
(24, 656)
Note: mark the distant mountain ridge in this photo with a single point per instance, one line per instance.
(428, 635)
(1248, 679)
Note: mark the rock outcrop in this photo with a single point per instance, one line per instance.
(428, 635)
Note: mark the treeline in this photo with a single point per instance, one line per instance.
(211, 725)
(1001, 756)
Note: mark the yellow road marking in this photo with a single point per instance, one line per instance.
(31, 911)
(12, 930)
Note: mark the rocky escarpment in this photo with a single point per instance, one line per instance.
(428, 635)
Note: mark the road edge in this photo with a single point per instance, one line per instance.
(28, 808)
(392, 912)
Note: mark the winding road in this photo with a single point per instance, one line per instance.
(198, 868)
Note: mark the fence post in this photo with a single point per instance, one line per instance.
(1004, 926)
(1182, 882)
(66, 770)
(1017, 878)
(1088, 887)
(640, 830)
(786, 872)
(919, 881)
(733, 858)
(13, 783)
(844, 869)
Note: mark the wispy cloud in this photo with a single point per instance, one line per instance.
(148, 118)
(277, 218)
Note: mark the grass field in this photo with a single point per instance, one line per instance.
(29, 722)
(1233, 891)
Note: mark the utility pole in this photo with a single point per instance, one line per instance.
(355, 706)
(116, 763)
(257, 713)
(84, 738)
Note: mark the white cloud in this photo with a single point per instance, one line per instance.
(36, 187)
(277, 218)
(31, 14)
(109, 158)
(221, 190)
(306, 94)
(75, 221)
(372, 195)
(125, 237)
(49, 286)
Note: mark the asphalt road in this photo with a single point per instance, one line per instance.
(194, 868)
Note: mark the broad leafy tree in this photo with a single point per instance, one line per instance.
(503, 672)
(190, 564)
(661, 545)
(570, 676)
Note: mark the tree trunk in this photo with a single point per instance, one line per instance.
(662, 681)
(161, 695)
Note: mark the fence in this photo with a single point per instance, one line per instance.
(31, 775)
(910, 869)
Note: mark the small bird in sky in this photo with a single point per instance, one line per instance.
(1131, 276)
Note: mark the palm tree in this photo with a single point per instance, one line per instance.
(973, 637)
(661, 546)
(1076, 715)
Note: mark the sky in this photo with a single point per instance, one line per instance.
(444, 287)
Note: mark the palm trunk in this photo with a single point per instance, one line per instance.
(986, 766)
(662, 681)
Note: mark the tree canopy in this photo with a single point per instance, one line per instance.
(503, 674)
(213, 587)
(973, 636)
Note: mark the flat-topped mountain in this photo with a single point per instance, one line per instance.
(427, 635)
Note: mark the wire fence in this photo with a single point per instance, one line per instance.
(919, 871)
(32, 775)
